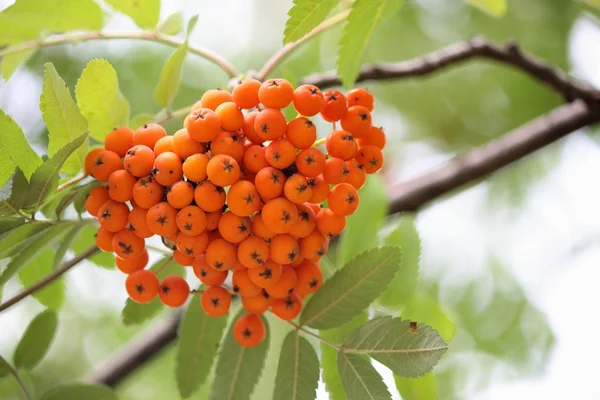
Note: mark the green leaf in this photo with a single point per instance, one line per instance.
(80, 391)
(144, 13)
(170, 77)
(10, 62)
(26, 19)
(172, 25)
(391, 341)
(65, 244)
(425, 387)
(100, 100)
(140, 119)
(363, 226)
(63, 119)
(65, 198)
(191, 25)
(238, 368)
(51, 296)
(404, 284)
(352, 288)
(15, 152)
(87, 238)
(304, 16)
(5, 367)
(595, 3)
(20, 237)
(362, 21)
(199, 337)
(360, 379)
(134, 313)
(298, 369)
(495, 8)
(36, 340)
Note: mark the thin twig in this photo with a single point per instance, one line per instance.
(289, 48)
(315, 335)
(180, 113)
(72, 181)
(150, 36)
(49, 279)
(15, 373)
(164, 264)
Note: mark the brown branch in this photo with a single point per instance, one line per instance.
(49, 279)
(509, 53)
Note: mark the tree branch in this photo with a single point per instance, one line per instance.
(509, 54)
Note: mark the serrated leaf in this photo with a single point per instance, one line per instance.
(10, 62)
(144, 13)
(52, 295)
(26, 19)
(19, 237)
(364, 17)
(65, 244)
(79, 391)
(360, 379)
(100, 100)
(191, 25)
(495, 8)
(404, 284)
(362, 226)
(84, 240)
(36, 340)
(298, 369)
(347, 293)
(391, 341)
(238, 368)
(65, 198)
(134, 313)
(63, 119)
(304, 16)
(140, 119)
(199, 337)
(170, 77)
(172, 25)
(15, 151)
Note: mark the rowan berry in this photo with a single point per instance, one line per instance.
(191, 220)
(330, 224)
(269, 183)
(90, 159)
(139, 160)
(357, 121)
(310, 278)
(249, 330)
(288, 307)
(243, 199)
(120, 185)
(301, 132)
(280, 154)
(371, 158)
(223, 170)
(127, 245)
(137, 222)
(120, 140)
(209, 197)
(147, 192)
(207, 275)
(249, 129)
(341, 144)
(104, 163)
(184, 146)
(148, 135)
(319, 188)
(216, 301)
(360, 97)
(335, 106)
(259, 228)
(142, 286)
(258, 304)
(314, 246)
(182, 259)
(232, 228)
(194, 167)
(297, 189)
(212, 220)
(308, 100)
(310, 162)
(163, 145)
(113, 216)
(253, 252)
(279, 215)
(161, 219)
(180, 194)
(286, 283)
(221, 255)
(213, 98)
(192, 246)
(104, 240)
(335, 171)
(254, 158)
(306, 221)
(242, 284)
(270, 124)
(375, 137)
(284, 249)
(203, 125)
(132, 265)
(266, 275)
(245, 93)
(230, 115)
(168, 168)
(95, 199)
(276, 93)
(173, 291)
(231, 144)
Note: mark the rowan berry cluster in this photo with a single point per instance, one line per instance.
(238, 189)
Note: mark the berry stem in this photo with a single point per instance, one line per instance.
(42, 283)
(164, 264)
(163, 117)
(72, 181)
(321, 338)
(289, 48)
(172, 41)
(319, 142)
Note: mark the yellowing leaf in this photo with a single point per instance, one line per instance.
(11, 62)
(304, 16)
(170, 77)
(172, 25)
(144, 13)
(495, 8)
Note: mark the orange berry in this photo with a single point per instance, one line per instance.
(269, 183)
(266, 275)
(243, 199)
(357, 121)
(284, 249)
(341, 144)
(335, 106)
(137, 222)
(310, 278)
(232, 228)
(276, 93)
(148, 135)
(216, 301)
(239, 266)
(258, 304)
(142, 286)
(245, 93)
(280, 154)
(270, 124)
(173, 291)
(242, 284)
(113, 216)
(335, 170)
(306, 221)
(249, 330)
(104, 240)
(229, 144)
(212, 220)
(314, 246)
(254, 158)
(192, 246)
(184, 146)
(163, 145)
(230, 115)
(139, 160)
(308, 100)
(128, 245)
(330, 224)
(167, 169)
(147, 192)
(213, 98)
(221, 255)
(180, 195)
(191, 220)
(120, 140)
(301, 132)
(194, 167)
(95, 199)
(223, 170)
(279, 215)
(343, 199)
(253, 252)
(91, 158)
(360, 97)
(288, 307)
(297, 190)
(249, 129)
(209, 197)
(207, 275)
(371, 158)
(120, 185)
(357, 175)
(320, 189)
(161, 219)
(285, 284)
(136, 264)
(259, 228)
(182, 259)
(203, 125)
(104, 163)
(310, 162)
(375, 137)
